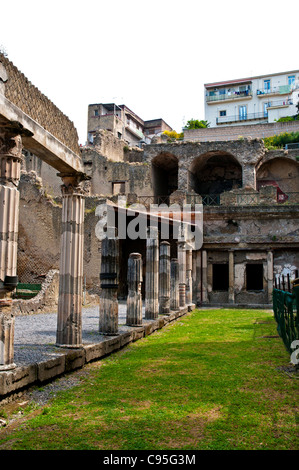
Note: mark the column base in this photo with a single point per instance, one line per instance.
(4, 368)
(69, 346)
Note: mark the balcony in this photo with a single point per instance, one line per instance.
(230, 96)
(278, 90)
(280, 103)
(242, 118)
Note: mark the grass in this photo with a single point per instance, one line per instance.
(210, 381)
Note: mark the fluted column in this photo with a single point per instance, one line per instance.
(134, 299)
(270, 275)
(182, 273)
(164, 278)
(174, 284)
(108, 323)
(10, 167)
(152, 275)
(188, 275)
(231, 277)
(69, 318)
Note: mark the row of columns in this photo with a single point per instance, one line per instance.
(69, 318)
(166, 280)
(168, 284)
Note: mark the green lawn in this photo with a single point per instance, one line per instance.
(212, 380)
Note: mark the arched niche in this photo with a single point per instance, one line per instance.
(215, 173)
(281, 172)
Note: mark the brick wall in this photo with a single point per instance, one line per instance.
(234, 132)
(20, 91)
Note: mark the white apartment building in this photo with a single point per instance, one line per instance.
(254, 100)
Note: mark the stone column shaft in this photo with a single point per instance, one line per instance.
(134, 299)
(152, 278)
(164, 278)
(270, 275)
(231, 278)
(108, 323)
(182, 273)
(10, 167)
(174, 285)
(188, 276)
(69, 318)
(204, 280)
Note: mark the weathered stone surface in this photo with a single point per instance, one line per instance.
(134, 299)
(46, 370)
(95, 351)
(17, 379)
(108, 321)
(74, 359)
(164, 278)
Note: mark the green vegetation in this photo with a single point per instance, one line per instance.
(279, 141)
(173, 135)
(214, 379)
(196, 124)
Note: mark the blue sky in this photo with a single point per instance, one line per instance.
(152, 56)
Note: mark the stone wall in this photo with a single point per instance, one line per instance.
(135, 176)
(21, 92)
(220, 133)
(40, 234)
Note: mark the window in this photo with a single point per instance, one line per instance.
(118, 187)
(291, 79)
(222, 91)
(242, 113)
(254, 277)
(266, 105)
(266, 86)
(222, 113)
(220, 277)
(96, 112)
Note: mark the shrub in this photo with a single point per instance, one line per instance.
(279, 141)
(196, 124)
(173, 135)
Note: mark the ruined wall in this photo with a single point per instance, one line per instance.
(21, 92)
(136, 176)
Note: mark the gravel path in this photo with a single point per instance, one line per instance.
(35, 335)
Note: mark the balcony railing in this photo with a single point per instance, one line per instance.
(277, 90)
(277, 103)
(229, 96)
(243, 117)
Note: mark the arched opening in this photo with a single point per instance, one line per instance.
(165, 176)
(283, 173)
(214, 173)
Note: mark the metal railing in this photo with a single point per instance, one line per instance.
(147, 200)
(240, 118)
(285, 307)
(239, 199)
(229, 96)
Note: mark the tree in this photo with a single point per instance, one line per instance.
(196, 124)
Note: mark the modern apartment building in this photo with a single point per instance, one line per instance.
(123, 123)
(261, 99)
